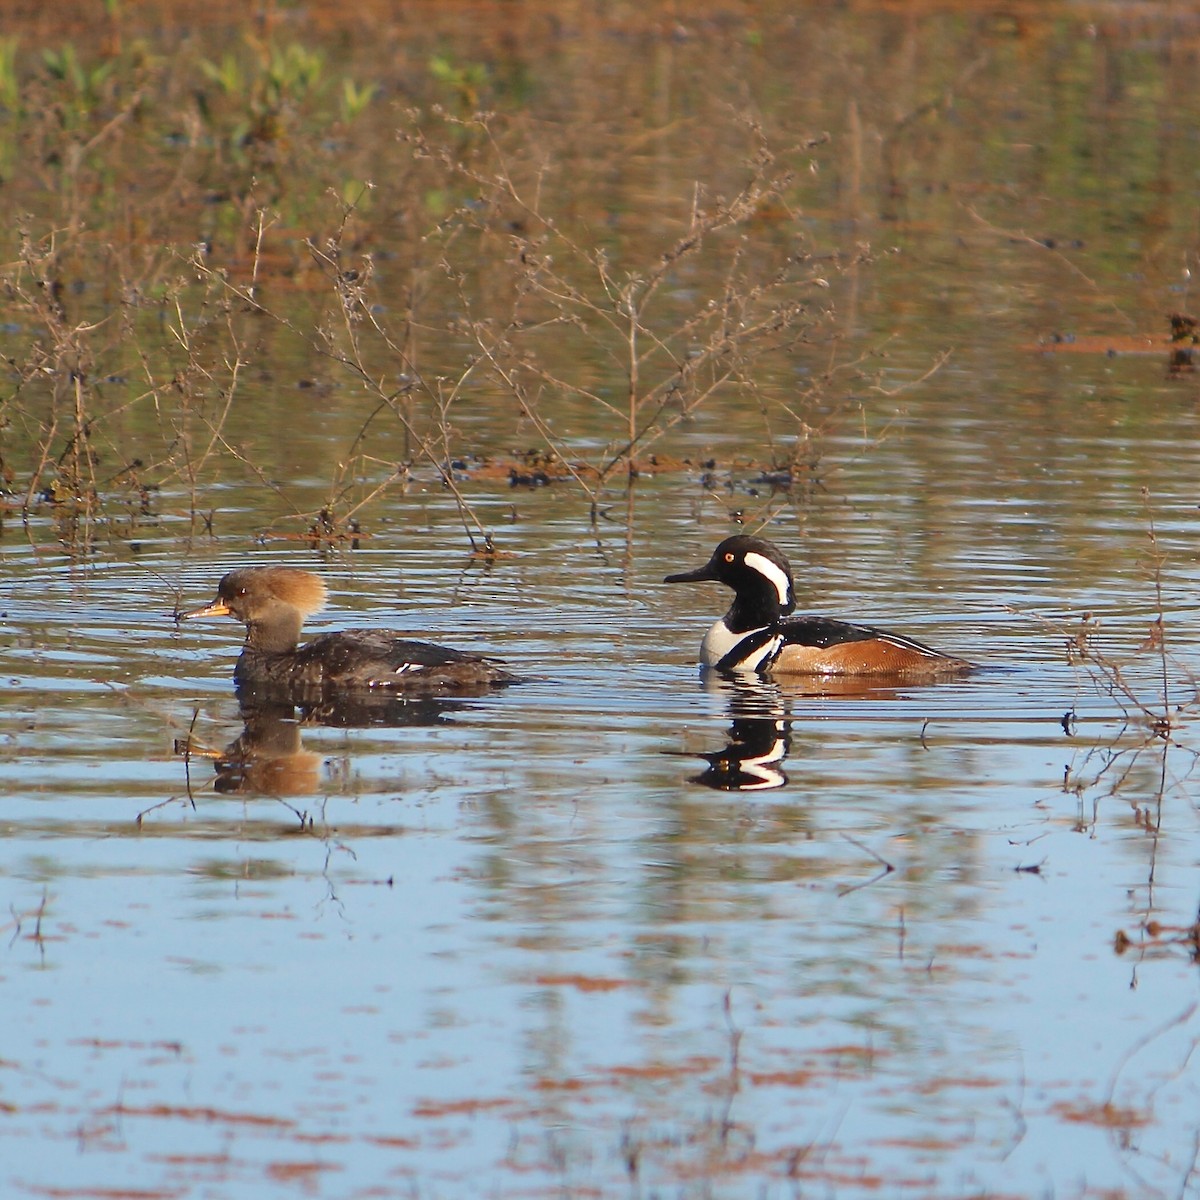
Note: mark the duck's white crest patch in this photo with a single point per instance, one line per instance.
(774, 574)
(720, 640)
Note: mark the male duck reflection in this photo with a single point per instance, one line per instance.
(756, 634)
(272, 603)
(752, 760)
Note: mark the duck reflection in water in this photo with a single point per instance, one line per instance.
(761, 717)
(758, 739)
(752, 759)
(268, 757)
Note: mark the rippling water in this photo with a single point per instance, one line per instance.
(518, 938)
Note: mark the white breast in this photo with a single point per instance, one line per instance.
(720, 640)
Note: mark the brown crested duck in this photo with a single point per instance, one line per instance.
(272, 602)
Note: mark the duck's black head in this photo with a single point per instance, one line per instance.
(758, 573)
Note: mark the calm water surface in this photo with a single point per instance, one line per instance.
(620, 931)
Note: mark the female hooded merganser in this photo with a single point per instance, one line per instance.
(756, 634)
(272, 603)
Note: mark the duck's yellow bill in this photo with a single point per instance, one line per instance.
(218, 608)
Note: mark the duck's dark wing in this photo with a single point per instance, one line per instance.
(826, 631)
(825, 646)
(382, 658)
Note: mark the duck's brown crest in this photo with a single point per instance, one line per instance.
(301, 590)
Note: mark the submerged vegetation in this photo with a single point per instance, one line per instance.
(202, 219)
(561, 251)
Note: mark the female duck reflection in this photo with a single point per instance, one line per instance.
(268, 757)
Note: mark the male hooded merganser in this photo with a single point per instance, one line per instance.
(272, 603)
(756, 634)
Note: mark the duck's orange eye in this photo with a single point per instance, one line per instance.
(729, 558)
